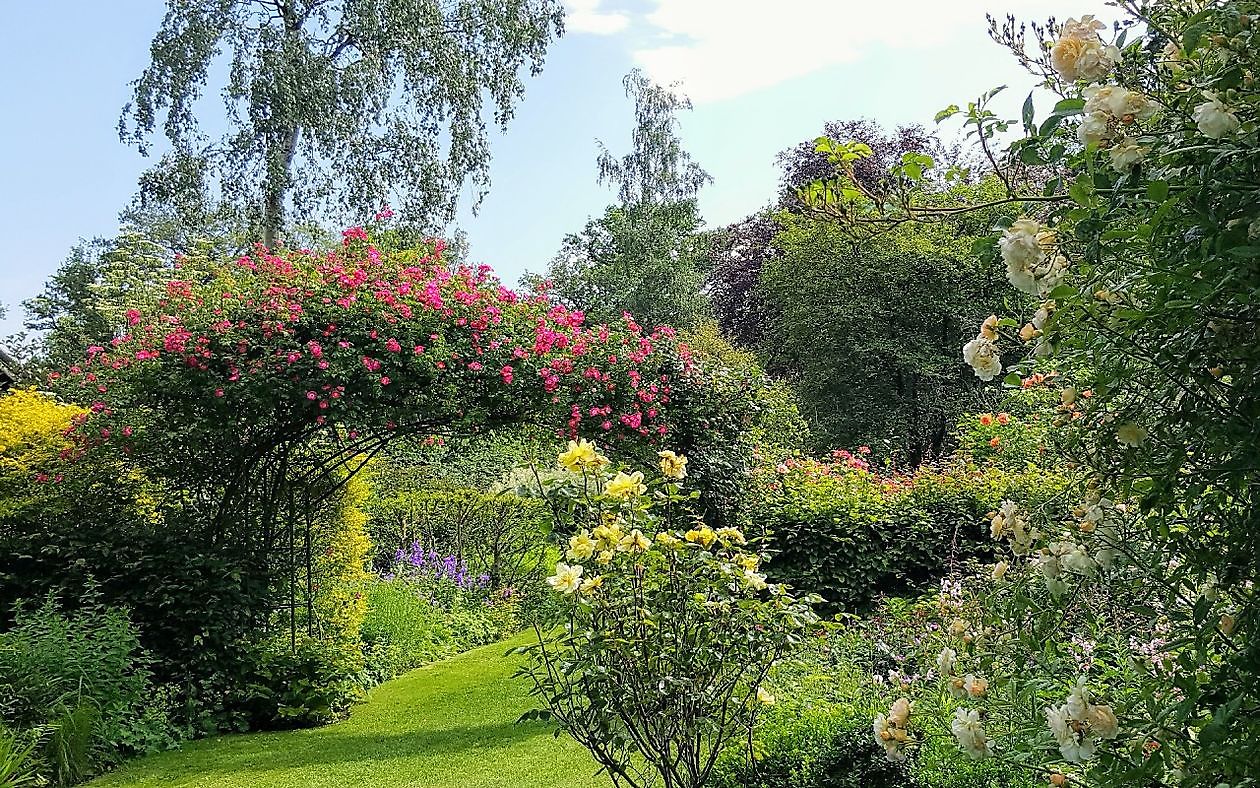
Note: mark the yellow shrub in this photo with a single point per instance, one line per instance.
(340, 569)
(32, 427)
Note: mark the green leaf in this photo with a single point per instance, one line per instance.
(1157, 190)
(1069, 106)
(948, 112)
(1013, 379)
(1063, 291)
(1081, 191)
(1027, 113)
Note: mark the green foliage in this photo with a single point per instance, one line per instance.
(18, 760)
(403, 628)
(79, 685)
(665, 632)
(297, 685)
(640, 258)
(657, 171)
(500, 535)
(84, 301)
(343, 104)
(852, 535)
(868, 329)
(339, 575)
(818, 734)
(814, 749)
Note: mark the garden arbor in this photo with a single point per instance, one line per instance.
(254, 388)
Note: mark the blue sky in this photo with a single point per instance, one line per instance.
(764, 74)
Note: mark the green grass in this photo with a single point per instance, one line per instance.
(449, 725)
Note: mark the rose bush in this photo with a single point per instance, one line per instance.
(667, 627)
(1118, 641)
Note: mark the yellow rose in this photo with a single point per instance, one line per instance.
(1080, 53)
(703, 536)
(608, 535)
(634, 542)
(582, 546)
(567, 579)
(764, 697)
(732, 535)
(668, 540)
(673, 466)
(582, 455)
(626, 486)
(591, 584)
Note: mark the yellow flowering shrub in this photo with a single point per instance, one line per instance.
(666, 628)
(340, 576)
(31, 437)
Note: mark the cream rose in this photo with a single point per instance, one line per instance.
(984, 358)
(1214, 119)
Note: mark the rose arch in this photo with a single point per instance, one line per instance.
(256, 386)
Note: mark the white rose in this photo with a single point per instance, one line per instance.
(1095, 128)
(1131, 434)
(1103, 722)
(1080, 53)
(1131, 104)
(1077, 560)
(1125, 154)
(984, 358)
(1020, 244)
(969, 732)
(1214, 119)
(946, 660)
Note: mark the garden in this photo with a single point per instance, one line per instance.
(939, 471)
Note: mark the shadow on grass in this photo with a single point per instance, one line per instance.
(327, 747)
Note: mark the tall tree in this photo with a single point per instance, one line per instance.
(642, 255)
(337, 103)
(656, 171)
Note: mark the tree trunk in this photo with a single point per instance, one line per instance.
(273, 209)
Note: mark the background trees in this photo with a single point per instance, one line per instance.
(641, 256)
(334, 103)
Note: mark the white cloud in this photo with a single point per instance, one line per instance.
(720, 49)
(584, 16)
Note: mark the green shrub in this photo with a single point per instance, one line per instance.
(403, 629)
(81, 683)
(312, 682)
(852, 535)
(814, 749)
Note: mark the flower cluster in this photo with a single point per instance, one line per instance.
(982, 353)
(1009, 523)
(1079, 724)
(1033, 263)
(366, 340)
(1110, 112)
(1080, 54)
(892, 730)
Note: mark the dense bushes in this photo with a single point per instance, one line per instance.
(404, 628)
(502, 536)
(851, 534)
(818, 734)
(77, 686)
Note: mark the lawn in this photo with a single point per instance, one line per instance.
(449, 725)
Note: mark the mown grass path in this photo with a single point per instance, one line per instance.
(449, 725)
